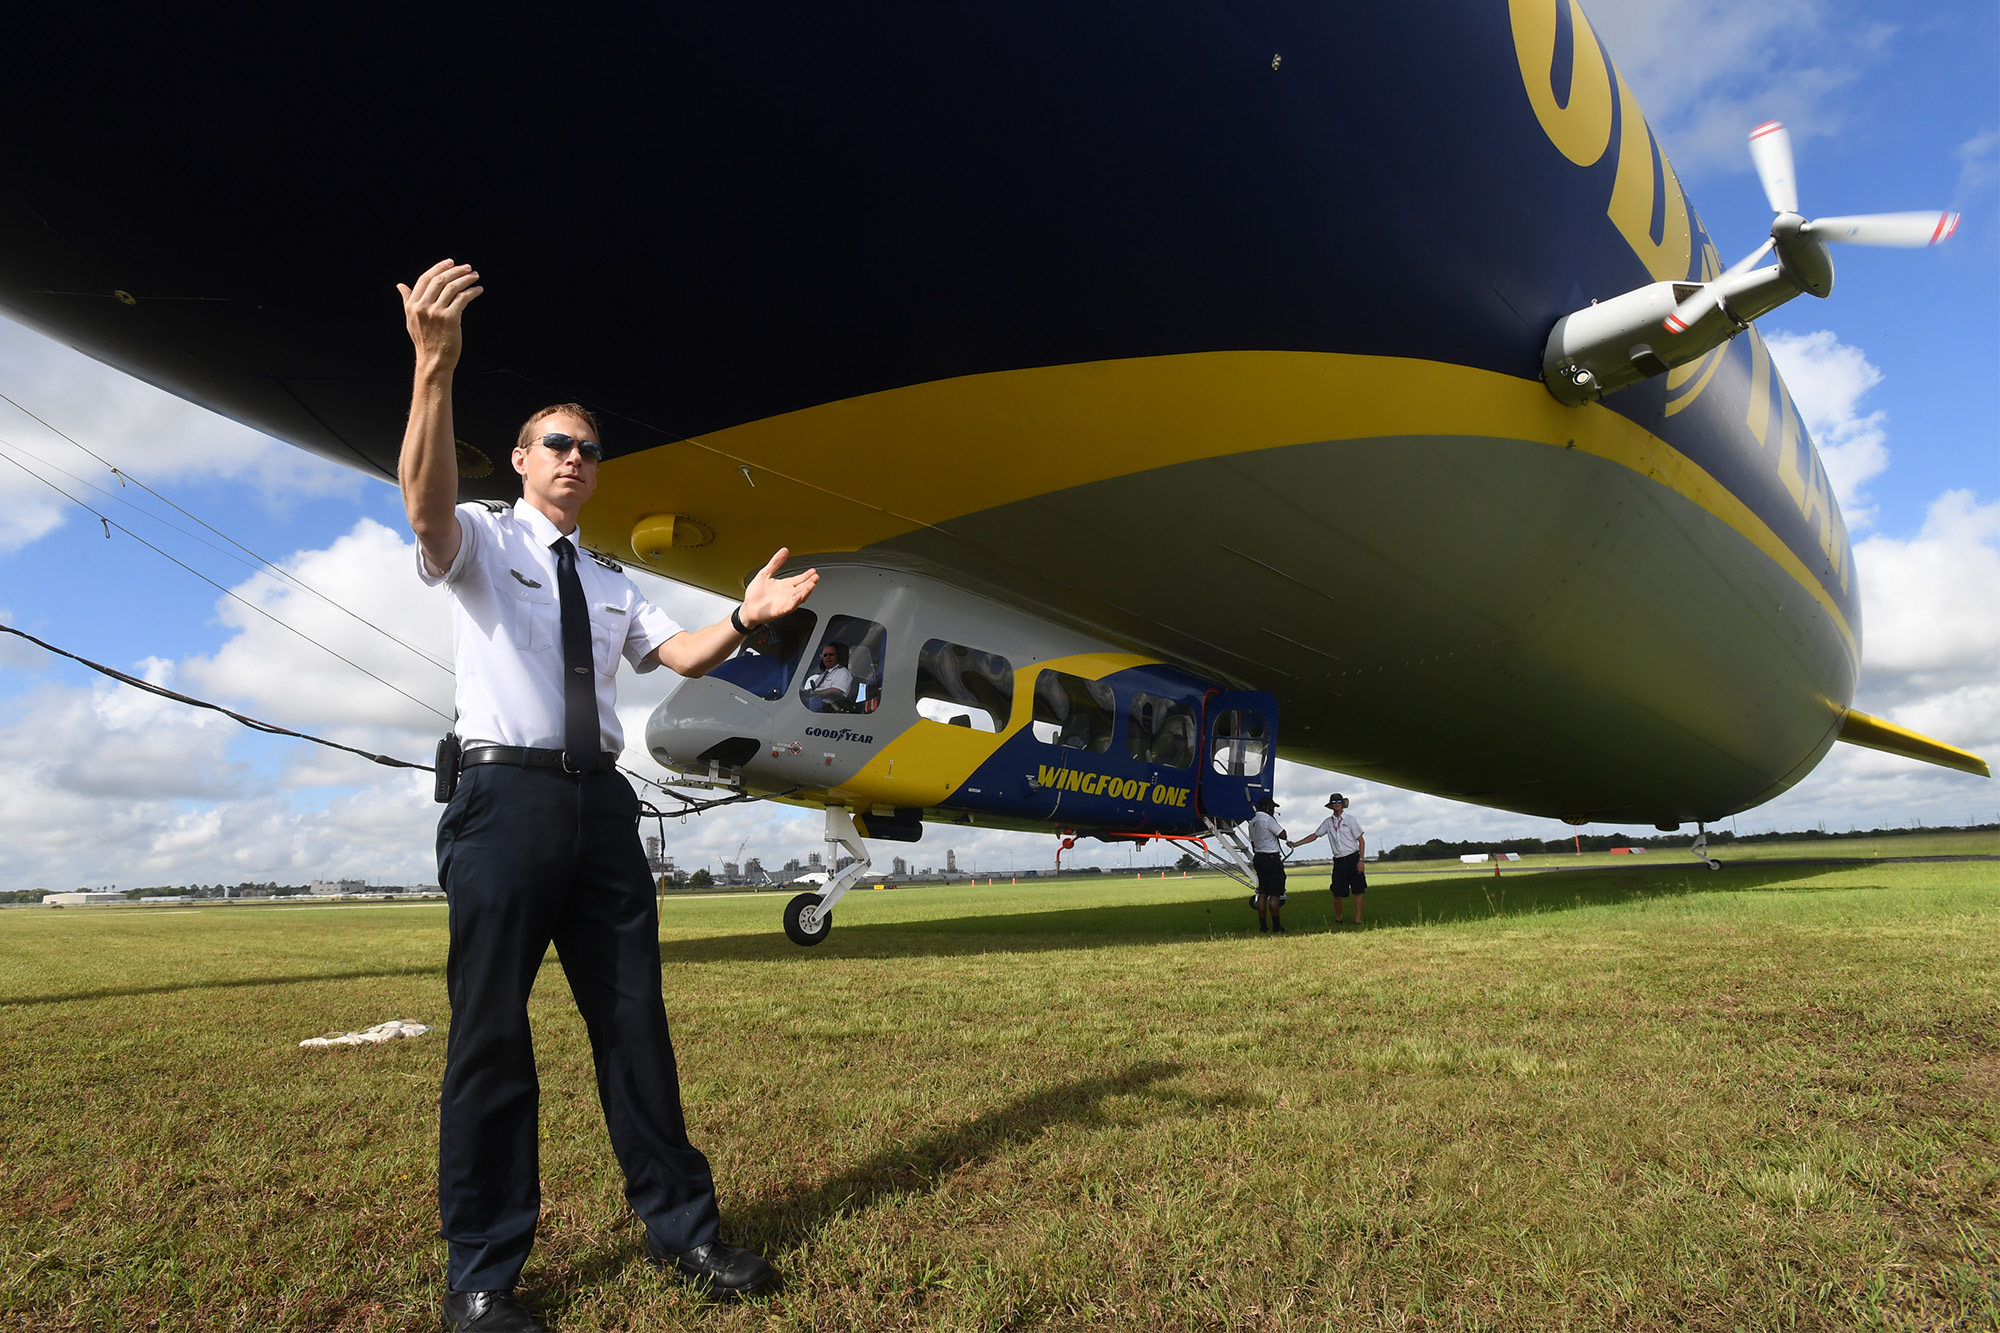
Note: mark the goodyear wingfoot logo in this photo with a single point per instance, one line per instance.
(843, 734)
(1119, 789)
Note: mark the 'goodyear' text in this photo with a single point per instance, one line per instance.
(842, 734)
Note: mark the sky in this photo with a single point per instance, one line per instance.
(1898, 374)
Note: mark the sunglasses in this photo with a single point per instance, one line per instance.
(562, 444)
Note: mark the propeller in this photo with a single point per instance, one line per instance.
(1901, 229)
(1710, 294)
(1771, 154)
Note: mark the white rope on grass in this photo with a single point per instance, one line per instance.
(374, 1036)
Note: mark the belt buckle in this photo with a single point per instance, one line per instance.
(563, 762)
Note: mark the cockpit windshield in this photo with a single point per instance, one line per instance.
(770, 655)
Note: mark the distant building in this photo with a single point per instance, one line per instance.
(334, 888)
(814, 861)
(899, 867)
(793, 867)
(950, 862)
(729, 871)
(653, 853)
(83, 897)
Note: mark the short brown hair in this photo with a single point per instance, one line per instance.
(577, 410)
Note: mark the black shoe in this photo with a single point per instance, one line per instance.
(723, 1271)
(487, 1312)
(1278, 926)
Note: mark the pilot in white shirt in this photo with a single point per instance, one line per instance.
(506, 629)
(539, 843)
(832, 686)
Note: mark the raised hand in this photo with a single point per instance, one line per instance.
(769, 596)
(432, 312)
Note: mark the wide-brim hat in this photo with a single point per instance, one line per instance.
(1335, 799)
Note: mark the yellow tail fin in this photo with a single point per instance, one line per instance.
(1858, 728)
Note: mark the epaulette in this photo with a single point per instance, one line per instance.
(605, 560)
(496, 506)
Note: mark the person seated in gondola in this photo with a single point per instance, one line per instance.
(831, 688)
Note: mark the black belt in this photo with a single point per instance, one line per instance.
(522, 757)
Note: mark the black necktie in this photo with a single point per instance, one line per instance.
(580, 731)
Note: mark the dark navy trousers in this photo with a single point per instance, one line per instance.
(530, 857)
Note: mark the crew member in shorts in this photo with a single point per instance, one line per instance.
(1269, 863)
(1350, 846)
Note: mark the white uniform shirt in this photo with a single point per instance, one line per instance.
(833, 678)
(506, 629)
(1343, 830)
(1265, 832)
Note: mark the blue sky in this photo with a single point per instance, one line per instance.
(1899, 374)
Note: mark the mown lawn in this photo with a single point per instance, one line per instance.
(1643, 1097)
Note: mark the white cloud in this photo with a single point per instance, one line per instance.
(1706, 71)
(109, 784)
(150, 434)
(1978, 164)
(1931, 662)
(370, 605)
(1827, 379)
(1931, 605)
(17, 652)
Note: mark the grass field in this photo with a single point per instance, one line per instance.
(1647, 1096)
(1898, 845)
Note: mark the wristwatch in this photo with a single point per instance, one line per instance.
(736, 621)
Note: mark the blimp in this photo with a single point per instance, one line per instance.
(1160, 390)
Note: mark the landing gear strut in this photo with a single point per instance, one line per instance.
(809, 917)
(1700, 849)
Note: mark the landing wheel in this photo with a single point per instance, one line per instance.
(1714, 865)
(796, 918)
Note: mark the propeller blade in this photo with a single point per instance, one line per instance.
(1771, 154)
(1690, 310)
(1903, 229)
(1743, 265)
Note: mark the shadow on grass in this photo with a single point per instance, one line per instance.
(916, 1166)
(920, 1165)
(1392, 905)
(231, 983)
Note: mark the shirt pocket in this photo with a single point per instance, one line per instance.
(536, 620)
(608, 627)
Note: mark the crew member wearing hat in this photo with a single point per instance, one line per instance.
(1269, 863)
(1349, 846)
(539, 843)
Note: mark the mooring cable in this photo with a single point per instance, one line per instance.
(231, 593)
(125, 476)
(691, 806)
(255, 724)
(688, 803)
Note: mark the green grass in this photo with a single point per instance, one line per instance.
(1896, 845)
(1648, 1097)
